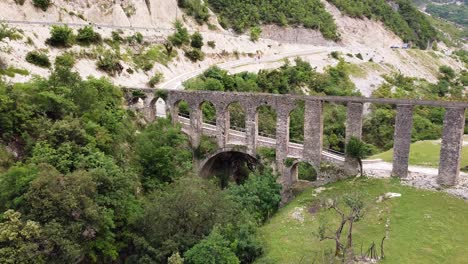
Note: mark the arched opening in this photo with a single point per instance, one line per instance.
(182, 110)
(229, 167)
(237, 118)
(267, 119)
(296, 123)
(208, 113)
(334, 127)
(303, 171)
(160, 108)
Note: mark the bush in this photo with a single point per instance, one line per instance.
(42, 4)
(155, 79)
(197, 40)
(195, 55)
(259, 195)
(109, 62)
(255, 33)
(213, 249)
(61, 36)
(65, 60)
(181, 36)
(359, 56)
(20, 2)
(10, 33)
(211, 44)
(335, 55)
(38, 58)
(87, 36)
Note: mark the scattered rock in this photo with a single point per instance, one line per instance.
(387, 196)
(298, 214)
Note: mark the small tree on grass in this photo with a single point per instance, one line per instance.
(358, 150)
(353, 214)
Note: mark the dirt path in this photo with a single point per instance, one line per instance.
(419, 177)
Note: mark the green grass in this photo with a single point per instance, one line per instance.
(425, 226)
(424, 153)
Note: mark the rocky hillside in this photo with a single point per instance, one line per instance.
(363, 42)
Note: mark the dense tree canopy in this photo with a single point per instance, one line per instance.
(242, 15)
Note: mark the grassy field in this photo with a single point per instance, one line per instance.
(425, 153)
(425, 226)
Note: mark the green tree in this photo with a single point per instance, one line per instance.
(86, 36)
(358, 150)
(196, 40)
(179, 216)
(213, 250)
(61, 36)
(42, 4)
(20, 241)
(181, 36)
(163, 153)
(260, 194)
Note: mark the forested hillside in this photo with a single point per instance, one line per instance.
(451, 12)
(242, 15)
(402, 18)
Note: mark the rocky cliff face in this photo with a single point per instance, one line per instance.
(138, 13)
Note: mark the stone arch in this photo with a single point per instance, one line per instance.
(236, 119)
(267, 120)
(229, 165)
(158, 107)
(296, 122)
(208, 112)
(303, 170)
(180, 108)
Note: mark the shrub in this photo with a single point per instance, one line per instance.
(65, 60)
(42, 4)
(335, 55)
(213, 249)
(181, 36)
(195, 55)
(211, 44)
(10, 33)
(87, 36)
(20, 2)
(255, 33)
(155, 79)
(38, 58)
(109, 62)
(61, 36)
(359, 56)
(197, 40)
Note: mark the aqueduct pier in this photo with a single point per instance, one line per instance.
(311, 151)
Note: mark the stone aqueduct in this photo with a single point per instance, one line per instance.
(311, 151)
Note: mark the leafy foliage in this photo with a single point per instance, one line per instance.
(42, 4)
(213, 249)
(38, 58)
(61, 36)
(407, 22)
(163, 154)
(86, 36)
(259, 194)
(242, 15)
